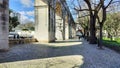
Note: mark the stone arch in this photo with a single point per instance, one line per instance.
(45, 20)
(54, 10)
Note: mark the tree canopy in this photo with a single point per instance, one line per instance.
(13, 21)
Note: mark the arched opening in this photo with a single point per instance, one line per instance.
(53, 21)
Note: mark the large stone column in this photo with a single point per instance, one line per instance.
(63, 28)
(43, 25)
(59, 27)
(67, 27)
(73, 29)
(64, 21)
(51, 24)
(70, 27)
(4, 19)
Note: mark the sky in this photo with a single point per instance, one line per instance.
(25, 8)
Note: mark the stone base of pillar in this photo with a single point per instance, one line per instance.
(4, 50)
(45, 41)
(4, 45)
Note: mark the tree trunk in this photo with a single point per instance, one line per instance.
(111, 38)
(116, 34)
(84, 33)
(100, 43)
(92, 38)
(87, 37)
(108, 35)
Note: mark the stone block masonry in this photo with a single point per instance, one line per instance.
(4, 22)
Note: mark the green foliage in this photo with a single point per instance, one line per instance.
(104, 38)
(115, 45)
(13, 21)
(112, 24)
(115, 42)
(25, 29)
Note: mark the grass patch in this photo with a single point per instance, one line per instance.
(115, 44)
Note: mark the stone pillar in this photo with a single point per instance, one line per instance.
(70, 28)
(43, 30)
(63, 28)
(73, 29)
(51, 24)
(64, 20)
(4, 20)
(59, 21)
(67, 27)
(59, 28)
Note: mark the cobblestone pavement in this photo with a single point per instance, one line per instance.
(62, 54)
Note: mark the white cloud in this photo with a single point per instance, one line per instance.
(27, 3)
(22, 12)
(25, 19)
(30, 13)
(26, 16)
(27, 13)
(31, 20)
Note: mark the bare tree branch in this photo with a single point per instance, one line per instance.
(109, 4)
(82, 9)
(89, 5)
(98, 19)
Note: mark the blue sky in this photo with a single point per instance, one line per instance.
(24, 7)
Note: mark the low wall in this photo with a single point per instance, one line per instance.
(21, 41)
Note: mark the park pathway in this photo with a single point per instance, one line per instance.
(61, 54)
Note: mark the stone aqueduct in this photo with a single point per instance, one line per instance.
(53, 20)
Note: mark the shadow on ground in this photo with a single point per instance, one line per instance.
(42, 50)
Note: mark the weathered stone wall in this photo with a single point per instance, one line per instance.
(4, 20)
